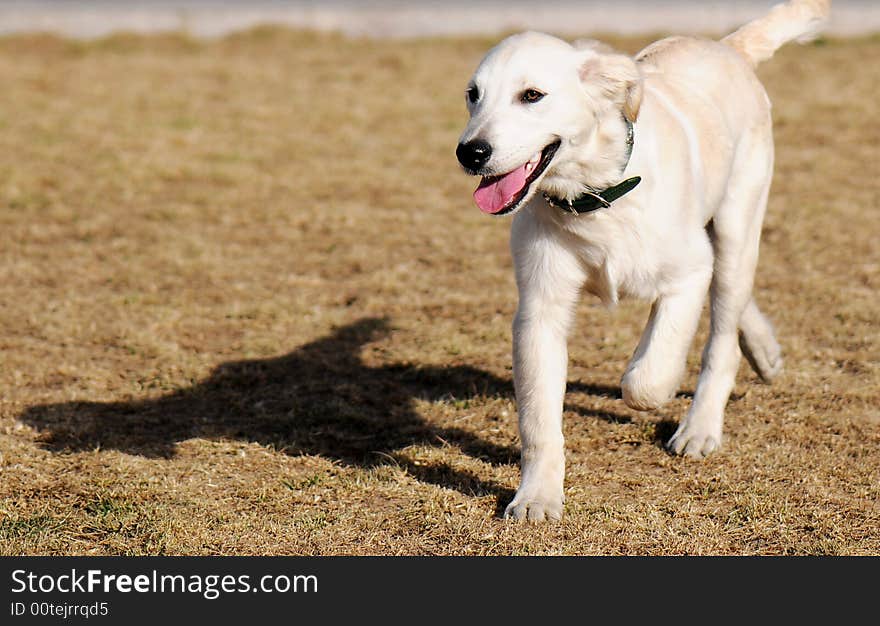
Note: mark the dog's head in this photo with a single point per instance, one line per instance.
(536, 106)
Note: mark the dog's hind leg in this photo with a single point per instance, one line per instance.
(758, 342)
(736, 234)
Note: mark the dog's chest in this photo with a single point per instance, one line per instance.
(621, 276)
(619, 261)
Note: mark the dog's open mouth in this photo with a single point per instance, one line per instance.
(498, 195)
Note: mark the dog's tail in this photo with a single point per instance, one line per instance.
(797, 19)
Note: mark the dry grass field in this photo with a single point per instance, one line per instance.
(248, 307)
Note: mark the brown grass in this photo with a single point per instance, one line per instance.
(247, 307)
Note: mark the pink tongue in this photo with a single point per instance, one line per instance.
(493, 194)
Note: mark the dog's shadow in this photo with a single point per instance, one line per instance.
(321, 399)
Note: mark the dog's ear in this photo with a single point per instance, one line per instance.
(611, 77)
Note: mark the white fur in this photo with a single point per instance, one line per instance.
(704, 149)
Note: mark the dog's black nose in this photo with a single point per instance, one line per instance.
(473, 154)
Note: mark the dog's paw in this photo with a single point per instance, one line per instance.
(646, 390)
(641, 396)
(694, 441)
(765, 359)
(535, 507)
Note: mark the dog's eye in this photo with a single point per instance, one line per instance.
(473, 94)
(530, 96)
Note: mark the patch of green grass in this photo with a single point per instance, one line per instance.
(15, 527)
(104, 506)
(310, 481)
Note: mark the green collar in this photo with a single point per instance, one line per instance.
(591, 200)
(594, 199)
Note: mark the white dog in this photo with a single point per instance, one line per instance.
(643, 177)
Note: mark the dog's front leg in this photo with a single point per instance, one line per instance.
(549, 280)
